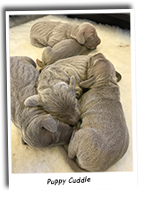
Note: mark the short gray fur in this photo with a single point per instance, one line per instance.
(39, 129)
(103, 136)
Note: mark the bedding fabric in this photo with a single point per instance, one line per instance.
(115, 45)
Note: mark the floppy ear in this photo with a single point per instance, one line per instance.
(87, 83)
(49, 123)
(32, 101)
(80, 37)
(72, 83)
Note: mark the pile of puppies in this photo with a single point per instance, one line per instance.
(74, 100)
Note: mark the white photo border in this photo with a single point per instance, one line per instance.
(100, 180)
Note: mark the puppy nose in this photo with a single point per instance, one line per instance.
(98, 41)
(74, 120)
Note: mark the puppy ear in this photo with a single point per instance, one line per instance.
(80, 37)
(49, 123)
(32, 101)
(87, 83)
(72, 83)
(39, 63)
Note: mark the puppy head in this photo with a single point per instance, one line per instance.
(100, 72)
(44, 131)
(63, 103)
(87, 36)
(59, 100)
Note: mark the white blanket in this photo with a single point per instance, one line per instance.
(115, 45)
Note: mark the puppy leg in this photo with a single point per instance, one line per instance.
(78, 92)
(71, 153)
(72, 146)
(56, 37)
(36, 43)
(52, 41)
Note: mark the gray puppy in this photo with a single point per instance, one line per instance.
(39, 129)
(63, 49)
(49, 33)
(58, 87)
(103, 135)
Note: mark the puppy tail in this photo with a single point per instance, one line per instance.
(118, 76)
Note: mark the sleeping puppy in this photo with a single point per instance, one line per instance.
(39, 129)
(63, 49)
(49, 33)
(103, 135)
(58, 88)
